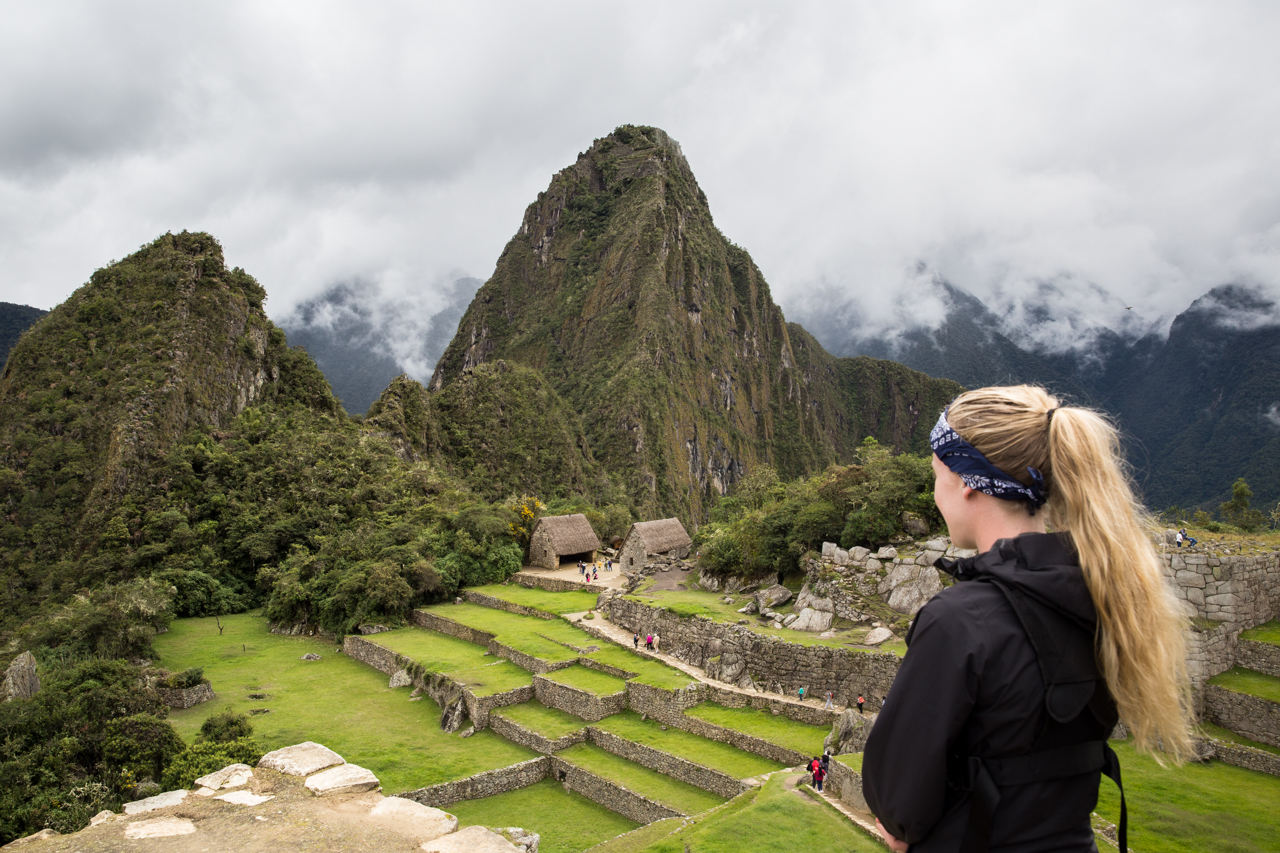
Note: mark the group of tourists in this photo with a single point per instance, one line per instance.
(818, 769)
(650, 641)
(1183, 536)
(591, 572)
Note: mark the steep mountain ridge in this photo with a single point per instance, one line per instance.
(663, 335)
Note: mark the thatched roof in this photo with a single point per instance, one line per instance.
(661, 536)
(570, 534)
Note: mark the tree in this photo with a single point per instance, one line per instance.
(1237, 512)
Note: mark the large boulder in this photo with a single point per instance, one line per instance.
(908, 586)
(876, 636)
(20, 679)
(343, 779)
(848, 733)
(773, 596)
(812, 620)
(301, 759)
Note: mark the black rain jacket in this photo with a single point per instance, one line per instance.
(971, 685)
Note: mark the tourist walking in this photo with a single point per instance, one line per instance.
(819, 774)
(996, 740)
(635, 639)
(801, 694)
(648, 642)
(829, 706)
(861, 702)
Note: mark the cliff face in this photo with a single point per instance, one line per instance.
(663, 336)
(152, 346)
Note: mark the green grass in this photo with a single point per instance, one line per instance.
(336, 701)
(852, 760)
(558, 603)
(690, 747)
(1268, 633)
(599, 683)
(779, 730)
(769, 818)
(464, 662)
(660, 788)
(1198, 808)
(1241, 680)
(690, 603)
(1231, 737)
(568, 822)
(541, 638)
(551, 723)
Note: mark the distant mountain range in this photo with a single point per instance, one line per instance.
(1198, 408)
(14, 320)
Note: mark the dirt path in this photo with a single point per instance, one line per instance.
(569, 572)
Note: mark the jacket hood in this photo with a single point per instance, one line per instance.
(1045, 566)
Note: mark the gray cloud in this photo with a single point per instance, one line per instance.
(1062, 162)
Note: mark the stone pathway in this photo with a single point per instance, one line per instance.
(569, 572)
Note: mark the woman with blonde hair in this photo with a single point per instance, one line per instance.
(994, 734)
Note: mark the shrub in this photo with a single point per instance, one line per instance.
(201, 759)
(141, 743)
(186, 678)
(226, 727)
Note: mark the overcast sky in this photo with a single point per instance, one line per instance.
(1077, 157)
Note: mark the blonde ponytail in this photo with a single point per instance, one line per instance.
(1141, 644)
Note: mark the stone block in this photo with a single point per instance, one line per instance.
(1195, 596)
(301, 759)
(829, 550)
(841, 557)
(812, 620)
(859, 554)
(343, 779)
(942, 543)
(159, 801)
(1188, 578)
(228, 777)
(888, 552)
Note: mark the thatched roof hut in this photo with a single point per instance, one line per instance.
(647, 538)
(557, 537)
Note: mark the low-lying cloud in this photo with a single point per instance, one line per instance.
(1074, 166)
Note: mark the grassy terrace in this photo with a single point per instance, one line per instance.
(599, 683)
(1247, 681)
(567, 822)
(779, 730)
(691, 747)
(1268, 633)
(1198, 808)
(551, 723)
(336, 701)
(558, 603)
(853, 760)
(678, 795)
(689, 603)
(1231, 737)
(541, 638)
(464, 662)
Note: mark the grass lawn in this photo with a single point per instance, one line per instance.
(1231, 737)
(568, 822)
(335, 701)
(551, 723)
(1198, 808)
(599, 683)
(771, 818)
(1268, 633)
(1248, 681)
(690, 603)
(464, 662)
(783, 731)
(558, 603)
(660, 788)
(852, 760)
(690, 747)
(541, 638)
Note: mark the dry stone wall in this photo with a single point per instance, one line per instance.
(181, 698)
(534, 580)
(481, 785)
(1261, 657)
(509, 606)
(846, 784)
(517, 733)
(702, 777)
(611, 795)
(581, 703)
(1240, 755)
(737, 655)
(432, 622)
(1252, 716)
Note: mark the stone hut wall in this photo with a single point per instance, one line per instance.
(746, 657)
(697, 775)
(509, 606)
(1252, 716)
(186, 697)
(517, 733)
(533, 580)
(610, 794)
(1261, 657)
(632, 557)
(483, 785)
(580, 703)
(541, 550)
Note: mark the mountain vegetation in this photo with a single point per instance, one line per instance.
(14, 320)
(663, 336)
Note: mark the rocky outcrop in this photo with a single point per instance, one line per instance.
(20, 679)
(849, 733)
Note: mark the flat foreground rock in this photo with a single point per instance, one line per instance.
(473, 839)
(245, 798)
(301, 759)
(160, 827)
(159, 801)
(230, 776)
(343, 779)
(422, 822)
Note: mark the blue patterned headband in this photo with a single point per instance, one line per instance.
(977, 472)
